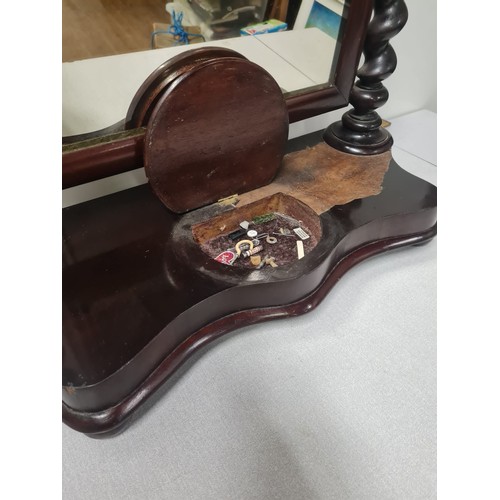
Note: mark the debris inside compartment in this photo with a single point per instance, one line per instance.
(276, 236)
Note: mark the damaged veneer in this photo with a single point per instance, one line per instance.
(274, 236)
(305, 187)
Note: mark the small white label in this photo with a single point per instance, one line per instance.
(301, 233)
(300, 249)
(244, 225)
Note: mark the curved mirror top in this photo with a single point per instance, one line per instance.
(104, 65)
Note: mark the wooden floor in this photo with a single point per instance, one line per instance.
(95, 28)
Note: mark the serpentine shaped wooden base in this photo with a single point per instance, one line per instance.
(127, 328)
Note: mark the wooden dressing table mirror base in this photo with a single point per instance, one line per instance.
(140, 295)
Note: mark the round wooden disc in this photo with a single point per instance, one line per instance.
(219, 129)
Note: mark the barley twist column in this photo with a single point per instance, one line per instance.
(359, 132)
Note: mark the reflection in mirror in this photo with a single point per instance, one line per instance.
(97, 91)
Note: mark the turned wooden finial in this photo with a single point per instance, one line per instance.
(359, 132)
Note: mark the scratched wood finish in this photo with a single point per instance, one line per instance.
(140, 296)
(198, 149)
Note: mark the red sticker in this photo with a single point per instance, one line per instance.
(226, 257)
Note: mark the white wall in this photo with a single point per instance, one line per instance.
(413, 84)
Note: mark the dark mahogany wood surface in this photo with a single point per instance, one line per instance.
(198, 150)
(139, 296)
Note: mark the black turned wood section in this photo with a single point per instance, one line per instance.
(359, 131)
(198, 150)
(112, 155)
(140, 296)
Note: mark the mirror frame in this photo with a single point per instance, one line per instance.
(102, 155)
(335, 93)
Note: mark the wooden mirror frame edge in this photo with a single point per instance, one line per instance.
(343, 71)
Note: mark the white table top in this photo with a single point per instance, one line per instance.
(339, 403)
(416, 133)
